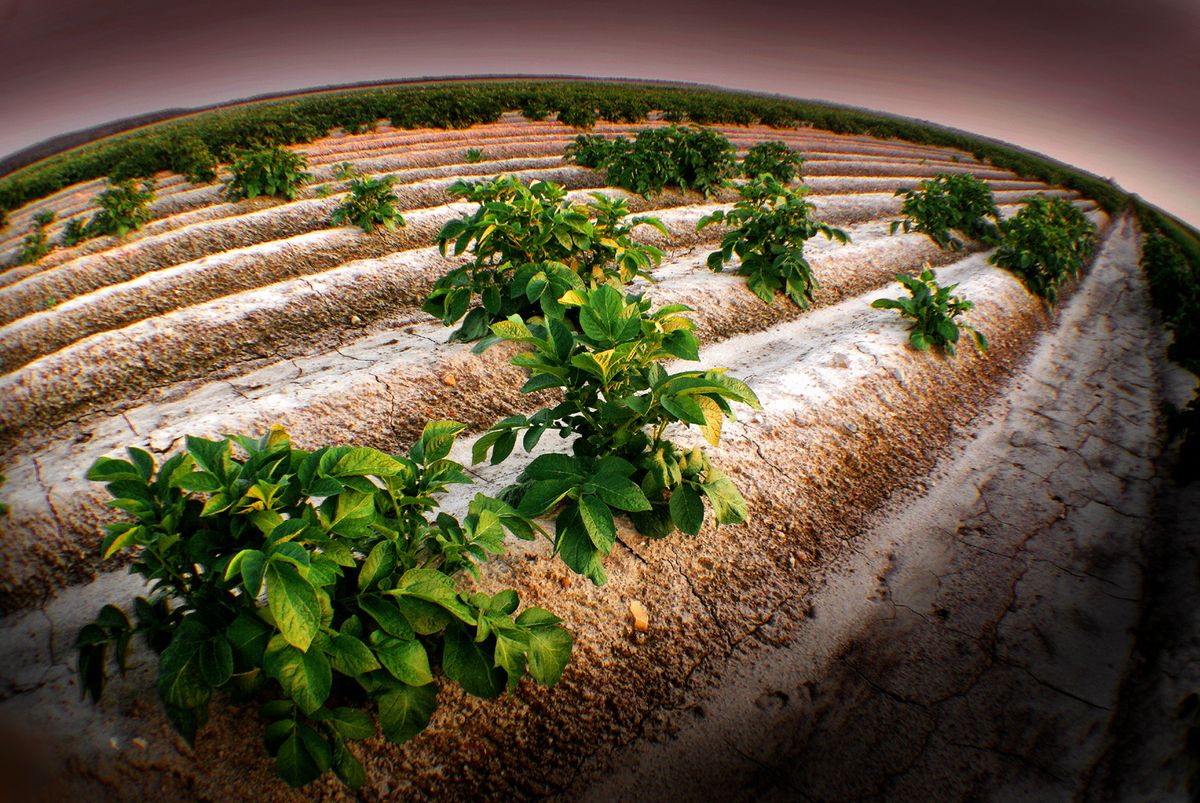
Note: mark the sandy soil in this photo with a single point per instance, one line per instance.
(936, 545)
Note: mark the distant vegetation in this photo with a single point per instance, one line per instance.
(184, 145)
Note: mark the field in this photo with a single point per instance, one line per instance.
(943, 567)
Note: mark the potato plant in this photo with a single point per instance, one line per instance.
(768, 229)
(73, 233)
(36, 244)
(319, 585)
(934, 311)
(371, 203)
(475, 155)
(775, 158)
(529, 245)
(1045, 243)
(268, 171)
(688, 157)
(947, 203)
(618, 402)
(124, 207)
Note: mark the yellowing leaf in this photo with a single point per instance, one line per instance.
(713, 418)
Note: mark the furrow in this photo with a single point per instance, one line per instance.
(379, 388)
(853, 416)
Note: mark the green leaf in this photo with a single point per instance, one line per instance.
(351, 657)
(248, 636)
(437, 438)
(216, 661)
(198, 482)
(303, 757)
(405, 659)
(180, 679)
(293, 603)
(380, 564)
(306, 676)
(404, 711)
(387, 615)
(542, 495)
(598, 521)
(471, 665)
(351, 723)
(576, 548)
(433, 586)
(619, 492)
(108, 469)
(687, 509)
(549, 651)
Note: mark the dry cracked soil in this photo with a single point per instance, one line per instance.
(963, 580)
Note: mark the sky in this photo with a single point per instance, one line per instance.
(1112, 87)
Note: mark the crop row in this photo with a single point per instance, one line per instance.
(181, 197)
(172, 145)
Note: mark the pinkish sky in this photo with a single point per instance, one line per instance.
(1113, 87)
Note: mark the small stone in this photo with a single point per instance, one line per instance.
(355, 320)
(566, 581)
(138, 742)
(114, 744)
(450, 380)
(641, 619)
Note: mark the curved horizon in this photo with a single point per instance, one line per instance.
(1047, 77)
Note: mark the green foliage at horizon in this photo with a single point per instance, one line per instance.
(288, 121)
(768, 229)
(317, 586)
(933, 310)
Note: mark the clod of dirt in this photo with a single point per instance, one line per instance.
(641, 618)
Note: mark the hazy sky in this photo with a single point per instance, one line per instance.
(1112, 87)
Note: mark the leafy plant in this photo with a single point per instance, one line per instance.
(192, 159)
(528, 246)
(947, 202)
(73, 233)
(934, 311)
(124, 207)
(775, 158)
(1046, 242)
(768, 229)
(269, 171)
(687, 157)
(318, 583)
(371, 203)
(36, 244)
(344, 171)
(618, 402)
(475, 155)
(578, 115)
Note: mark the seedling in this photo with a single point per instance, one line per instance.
(475, 155)
(36, 244)
(934, 311)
